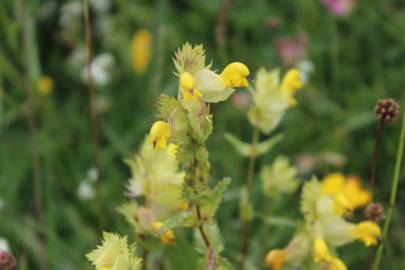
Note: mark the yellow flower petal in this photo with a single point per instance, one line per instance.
(235, 75)
(187, 86)
(332, 184)
(45, 85)
(141, 50)
(159, 133)
(292, 81)
(337, 264)
(342, 205)
(321, 251)
(355, 194)
(275, 259)
(368, 232)
(166, 238)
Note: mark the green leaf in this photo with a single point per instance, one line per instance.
(245, 206)
(211, 202)
(245, 149)
(181, 219)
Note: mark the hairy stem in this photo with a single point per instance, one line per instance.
(374, 157)
(249, 184)
(393, 196)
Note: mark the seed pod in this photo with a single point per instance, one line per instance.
(387, 109)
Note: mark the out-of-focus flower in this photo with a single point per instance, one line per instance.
(92, 174)
(336, 184)
(387, 109)
(279, 178)
(85, 191)
(114, 254)
(292, 49)
(168, 237)
(70, 12)
(101, 6)
(102, 104)
(4, 246)
(141, 50)
(213, 87)
(323, 256)
(271, 99)
(340, 8)
(100, 68)
(7, 261)
(241, 100)
(45, 85)
(306, 67)
(293, 254)
(155, 173)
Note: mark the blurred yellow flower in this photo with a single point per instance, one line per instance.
(158, 135)
(291, 83)
(235, 75)
(45, 85)
(275, 259)
(322, 255)
(347, 192)
(114, 254)
(168, 237)
(368, 232)
(141, 50)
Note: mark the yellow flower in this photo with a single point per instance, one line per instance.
(140, 47)
(45, 85)
(166, 238)
(275, 259)
(355, 194)
(159, 133)
(321, 251)
(291, 83)
(368, 232)
(235, 75)
(337, 264)
(187, 86)
(337, 185)
(342, 205)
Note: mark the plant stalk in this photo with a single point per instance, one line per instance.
(249, 183)
(374, 157)
(393, 196)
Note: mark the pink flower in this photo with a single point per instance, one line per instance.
(292, 49)
(241, 100)
(340, 8)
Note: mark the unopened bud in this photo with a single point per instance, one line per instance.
(7, 261)
(374, 211)
(387, 109)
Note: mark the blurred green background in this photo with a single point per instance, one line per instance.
(355, 60)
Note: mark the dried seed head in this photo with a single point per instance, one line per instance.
(7, 261)
(387, 109)
(374, 211)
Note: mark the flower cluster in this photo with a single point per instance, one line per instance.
(114, 254)
(325, 205)
(272, 98)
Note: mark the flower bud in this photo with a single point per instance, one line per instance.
(375, 212)
(7, 261)
(387, 109)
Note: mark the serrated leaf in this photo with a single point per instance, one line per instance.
(211, 202)
(246, 149)
(167, 105)
(180, 219)
(215, 238)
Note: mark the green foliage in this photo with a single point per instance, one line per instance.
(245, 149)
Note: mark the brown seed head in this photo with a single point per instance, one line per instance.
(387, 109)
(375, 212)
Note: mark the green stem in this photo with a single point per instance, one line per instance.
(393, 196)
(249, 183)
